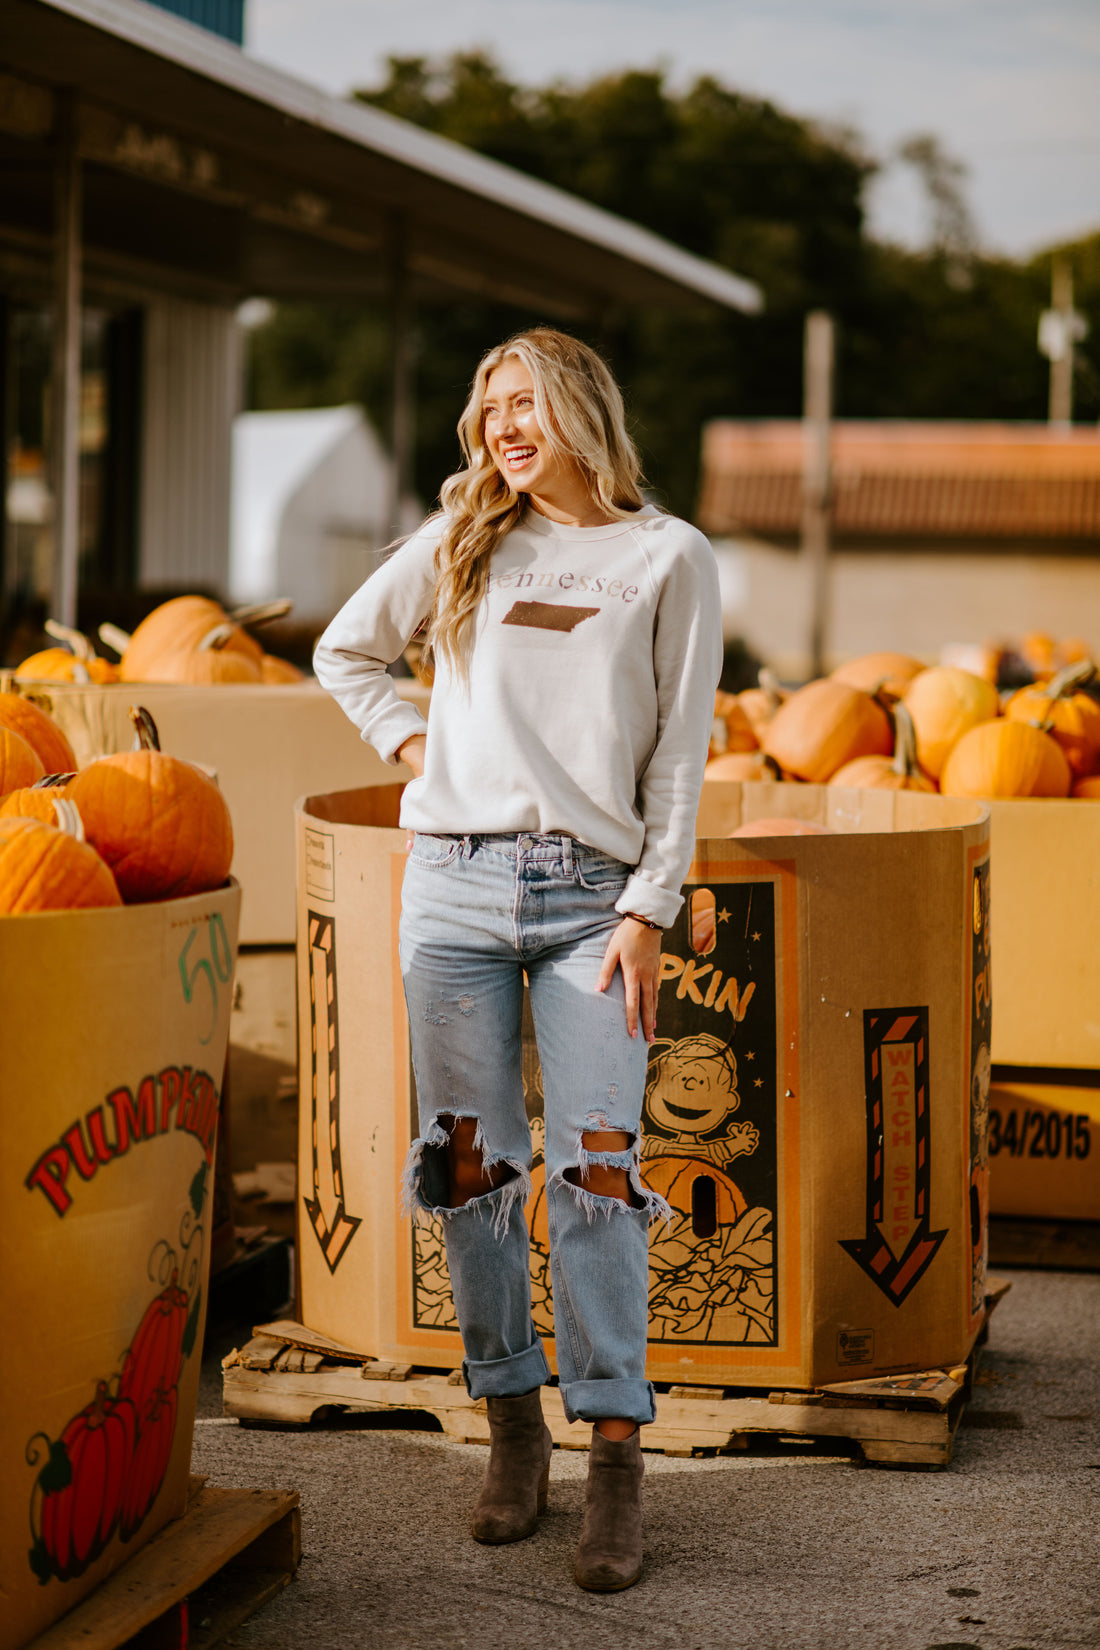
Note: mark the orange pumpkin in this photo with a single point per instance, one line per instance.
(76, 661)
(160, 823)
(899, 772)
(777, 826)
(892, 672)
(732, 729)
(43, 868)
(743, 766)
(945, 702)
(1088, 789)
(36, 801)
(1040, 652)
(57, 664)
(1070, 716)
(215, 659)
(19, 764)
(39, 730)
(278, 672)
(761, 703)
(178, 626)
(1006, 759)
(822, 726)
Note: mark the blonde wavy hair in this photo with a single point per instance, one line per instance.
(580, 411)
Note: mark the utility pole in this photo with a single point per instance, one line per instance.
(817, 413)
(1060, 328)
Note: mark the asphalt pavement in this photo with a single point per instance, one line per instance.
(999, 1551)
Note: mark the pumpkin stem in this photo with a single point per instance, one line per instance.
(75, 640)
(68, 817)
(905, 743)
(770, 684)
(1072, 677)
(48, 780)
(771, 765)
(148, 739)
(115, 638)
(262, 612)
(219, 637)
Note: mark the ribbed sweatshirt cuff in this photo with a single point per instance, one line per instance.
(660, 905)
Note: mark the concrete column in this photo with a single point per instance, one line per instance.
(65, 380)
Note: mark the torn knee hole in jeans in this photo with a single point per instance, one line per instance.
(451, 1169)
(607, 1176)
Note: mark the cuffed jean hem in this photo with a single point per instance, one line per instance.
(622, 1399)
(507, 1377)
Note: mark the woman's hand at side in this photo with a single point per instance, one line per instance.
(635, 949)
(412, 753)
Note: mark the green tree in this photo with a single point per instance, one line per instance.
(939, 333)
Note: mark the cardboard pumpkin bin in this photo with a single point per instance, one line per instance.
(267, 746)
(116, 1023)
(815, 1110)
(1044, 1111)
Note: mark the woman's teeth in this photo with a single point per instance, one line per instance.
(517, 456)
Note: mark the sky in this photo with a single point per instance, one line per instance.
(1011, 88)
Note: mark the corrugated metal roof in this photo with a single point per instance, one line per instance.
(901, 480)
(474, 222)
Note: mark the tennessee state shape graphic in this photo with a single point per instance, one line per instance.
(898, 1244)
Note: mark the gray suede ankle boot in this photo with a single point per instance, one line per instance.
(609, 1556)
(515, 1487)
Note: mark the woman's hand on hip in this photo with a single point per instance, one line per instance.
(412, 753)
(636, 950)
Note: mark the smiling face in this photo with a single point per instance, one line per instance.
(691, 1091)
(516, 441)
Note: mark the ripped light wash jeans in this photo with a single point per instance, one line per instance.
(477, 912)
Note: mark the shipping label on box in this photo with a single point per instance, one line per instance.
(815, 1108)
(111, 1067)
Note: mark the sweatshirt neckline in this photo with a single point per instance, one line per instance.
(542, 525)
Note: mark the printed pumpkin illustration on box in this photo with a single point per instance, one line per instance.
(102, 1475)
(710, 1134)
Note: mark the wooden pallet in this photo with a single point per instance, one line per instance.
(1061, 1246)
(195, 1581)
(288, 1375)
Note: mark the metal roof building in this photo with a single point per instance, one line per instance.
(154, 176)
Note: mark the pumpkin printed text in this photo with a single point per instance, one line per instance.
(694, 984)
(179, 1097)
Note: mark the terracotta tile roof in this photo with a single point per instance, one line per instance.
(908, 480)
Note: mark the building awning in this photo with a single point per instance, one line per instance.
(206, 168)
(907, 480)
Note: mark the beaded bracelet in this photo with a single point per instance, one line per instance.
(637, 917)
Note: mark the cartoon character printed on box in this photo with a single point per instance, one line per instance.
(711, 1271)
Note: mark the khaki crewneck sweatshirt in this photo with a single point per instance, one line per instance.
(596, 652)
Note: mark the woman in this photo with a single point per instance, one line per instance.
(577, 645)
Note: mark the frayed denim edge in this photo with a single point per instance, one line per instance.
(499, 1202)
(591, 1202)
(594, 1204)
